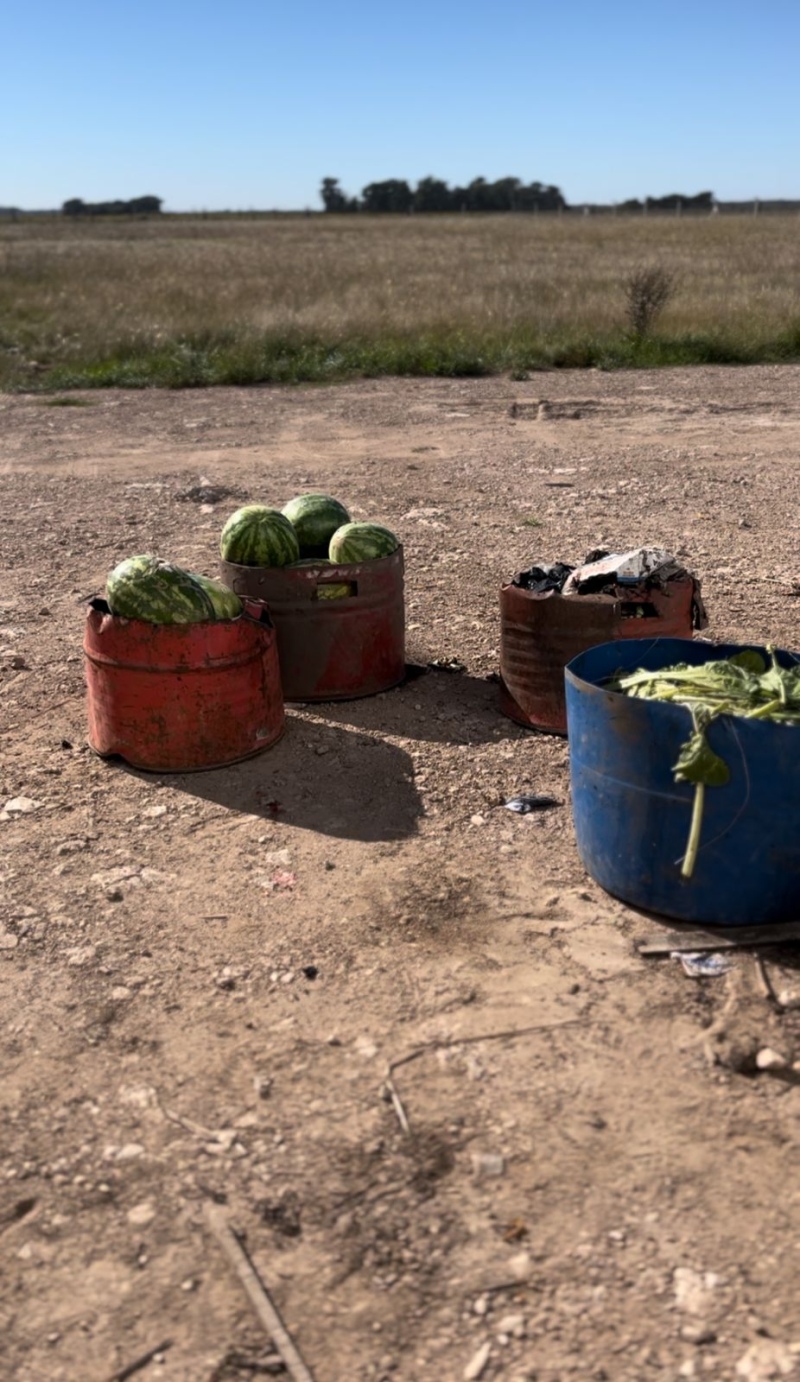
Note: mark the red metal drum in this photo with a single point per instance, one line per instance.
(177, 698)
(540, 634)
(332, 650)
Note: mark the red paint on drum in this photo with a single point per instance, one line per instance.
(331, 650)
(182, 697)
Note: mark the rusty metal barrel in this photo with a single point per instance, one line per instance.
(332, 649)
(178, 698)
(540, 634)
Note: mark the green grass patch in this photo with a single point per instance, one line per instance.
(200, 361)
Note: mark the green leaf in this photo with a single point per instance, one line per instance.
(698, 763)
(750, 660)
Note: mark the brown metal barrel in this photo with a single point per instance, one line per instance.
(182, 697)
(332, 649)
(540, 634)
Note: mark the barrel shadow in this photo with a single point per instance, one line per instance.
(327, 778)
(438, 708)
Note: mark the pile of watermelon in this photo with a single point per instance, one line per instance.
(310, 529)
(313, 529)
(159, 592)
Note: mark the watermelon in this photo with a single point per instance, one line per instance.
(337, 590)
(257, 536)
(226, 602)
(157, 592)
(311, 561)
(357, 542)
(315, 518)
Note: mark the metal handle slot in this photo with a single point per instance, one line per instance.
(335, 590)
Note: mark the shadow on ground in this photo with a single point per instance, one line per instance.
(327, 778)
(438, 707)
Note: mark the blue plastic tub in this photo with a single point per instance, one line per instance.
(632, 820)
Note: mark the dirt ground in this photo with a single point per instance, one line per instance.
(609, 1195)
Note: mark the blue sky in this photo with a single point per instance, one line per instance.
(249, 104)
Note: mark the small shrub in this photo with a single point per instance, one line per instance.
(648, 289)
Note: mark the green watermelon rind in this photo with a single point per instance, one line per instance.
(335, 590)
(157, 592)
(315, 518)
(354, 543)
(225, 602)
(257, 536)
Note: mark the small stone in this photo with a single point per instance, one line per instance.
(288, 977)
(142, 1214)
(520, 1266)
(70, 847)
(81, 955)
(481, 1306)
(225, 979)
(189, 1284)
(488, 1164)
(278, 857)
(477, 1363)
(130, 1151)
(693, 1289)
(788, 999)
(766, 1359)
(477, 820)
(19, 806)
(767, 1059)
(514, 1325)
(153, 812)
(698, 1334)
(263, 1086)
(8, 941)
(114, 895)
(366, 1047)
(120, 993)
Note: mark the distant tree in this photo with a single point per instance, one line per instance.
(503, 194)
(431, 194)
(392, 195)
(333, 198)
(138, 206)
(145, 206)
(478, 196)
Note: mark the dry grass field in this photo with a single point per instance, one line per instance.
(182, 301)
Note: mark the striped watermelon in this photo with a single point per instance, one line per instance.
(337, 590)
(315, 518)
(357, 542)
(311, 561)
(258, 536)
(225, 602)
(157, 592)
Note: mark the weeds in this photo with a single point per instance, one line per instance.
(648, 289)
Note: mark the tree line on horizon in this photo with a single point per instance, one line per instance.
(506, 194)
(137, 206)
